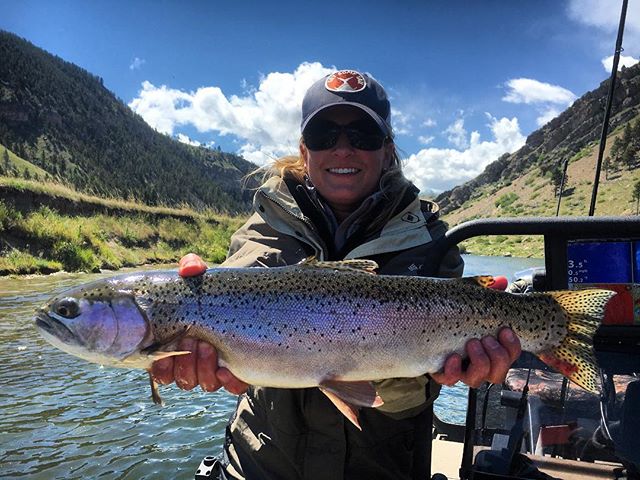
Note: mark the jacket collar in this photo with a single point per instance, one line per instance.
(276, 205)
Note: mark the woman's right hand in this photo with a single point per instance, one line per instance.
(200, 367)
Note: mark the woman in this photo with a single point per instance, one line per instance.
(343, 197)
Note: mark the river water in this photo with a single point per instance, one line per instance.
(62, 418)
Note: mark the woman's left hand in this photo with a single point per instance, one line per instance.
(489, 361)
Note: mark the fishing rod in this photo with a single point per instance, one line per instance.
(605, 123)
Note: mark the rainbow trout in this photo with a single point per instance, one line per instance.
(335, 325)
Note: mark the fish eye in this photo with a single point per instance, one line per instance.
(68, 308)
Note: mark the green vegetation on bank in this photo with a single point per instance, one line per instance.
(43, 240)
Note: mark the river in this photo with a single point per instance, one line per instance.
(62, 418)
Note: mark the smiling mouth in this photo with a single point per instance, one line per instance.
(343, 171)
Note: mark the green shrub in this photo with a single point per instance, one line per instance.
(9, 217)
(506, 200)
(75, 257)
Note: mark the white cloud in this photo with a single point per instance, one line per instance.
(265, 119)
(182, 138)
(456, 134)
(426, 140)
(401, 122)
(550, 100)
(623, 61)
(137, 63)
(547, 114)
(604, 15)
(436, 170)
(429, 122)
(528, 90)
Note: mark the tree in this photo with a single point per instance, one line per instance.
(635, 135)
(616, 150)
(636, 195)
(606, 164)
(628, 157)
(557, 174)
(627, 134)
(5, 160)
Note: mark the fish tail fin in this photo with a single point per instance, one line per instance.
(575, 357)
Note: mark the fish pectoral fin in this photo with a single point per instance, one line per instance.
(354, 266)
(155, 356)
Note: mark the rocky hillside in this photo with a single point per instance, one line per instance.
(62, 120)
(570, 136)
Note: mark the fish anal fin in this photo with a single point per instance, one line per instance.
(359, 265)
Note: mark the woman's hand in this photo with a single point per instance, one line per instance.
(200, 367)
(489, 361)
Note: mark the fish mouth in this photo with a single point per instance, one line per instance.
(54, 327)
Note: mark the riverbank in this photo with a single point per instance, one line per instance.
(50, 228)
(47, 228)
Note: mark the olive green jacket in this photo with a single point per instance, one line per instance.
(291, 434)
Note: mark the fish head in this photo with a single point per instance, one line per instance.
(98, 323)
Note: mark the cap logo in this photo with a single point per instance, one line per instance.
(345, 81)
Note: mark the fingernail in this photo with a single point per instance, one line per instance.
(476, 346)
(491, 343)
(509, 335)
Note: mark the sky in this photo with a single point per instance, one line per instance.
(467, 80)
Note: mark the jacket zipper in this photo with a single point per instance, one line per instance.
(302, 219)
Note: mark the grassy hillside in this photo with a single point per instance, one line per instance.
(108, 234)
(64, 121)
(533, 194)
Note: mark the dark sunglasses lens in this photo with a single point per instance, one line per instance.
(365, 141)
(363, 135)
(321, 140)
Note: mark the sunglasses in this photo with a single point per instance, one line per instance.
(362, 134)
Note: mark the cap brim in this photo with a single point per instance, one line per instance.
(377, 118)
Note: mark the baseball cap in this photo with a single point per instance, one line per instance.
(348, 87)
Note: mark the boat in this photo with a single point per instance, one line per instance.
(536, 425)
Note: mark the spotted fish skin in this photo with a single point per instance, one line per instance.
(299, 326)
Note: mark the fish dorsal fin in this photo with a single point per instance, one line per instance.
(359, 265)
(347, 396)
(480, 280)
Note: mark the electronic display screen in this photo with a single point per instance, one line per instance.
(614, 265)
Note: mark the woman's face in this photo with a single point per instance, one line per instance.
(342, 174)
